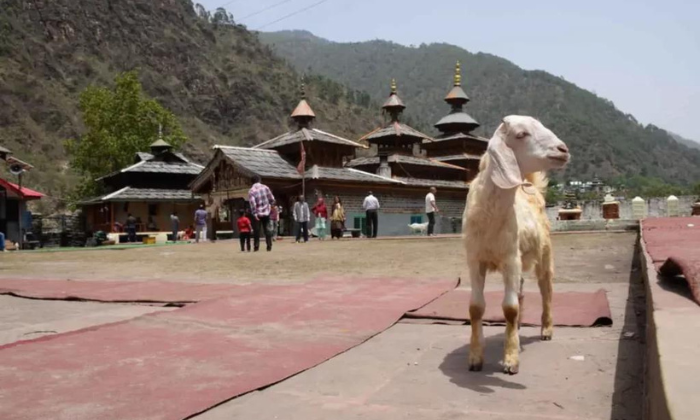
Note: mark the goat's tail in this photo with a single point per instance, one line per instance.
(539, 180)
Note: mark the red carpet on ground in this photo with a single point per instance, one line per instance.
(172, 365)
(570, 309)
(115, 291)
(674, 245)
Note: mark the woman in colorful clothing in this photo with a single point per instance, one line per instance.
(337, 218)
(274, 220)
(321, 213)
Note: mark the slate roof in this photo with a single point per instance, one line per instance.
(420, 182)
(396, 129)
(145, 194)
(305, 134)
(347, 174)
(263, 162)
(456, 136)
(461, 118)
(144, 156)
(3, 150)
(408, 160)
(187, 168)
(461, 156)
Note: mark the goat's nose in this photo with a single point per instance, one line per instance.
(562, 148)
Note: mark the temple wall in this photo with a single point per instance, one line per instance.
(656, 207)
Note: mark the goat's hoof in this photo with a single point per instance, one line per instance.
(510, 369)
(476, 367)
(546, 334)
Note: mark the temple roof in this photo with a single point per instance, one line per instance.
(145, 194)
(176, 164)
(396, 129)
(305, 134)
(394, 105)
(407, 160)
(457, 120)
(460, 156)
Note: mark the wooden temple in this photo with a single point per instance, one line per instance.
(154, 186)
(456, 144)
(394, 165)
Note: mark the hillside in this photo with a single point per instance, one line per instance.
(680, 139)
(222, 83)
(604, 140)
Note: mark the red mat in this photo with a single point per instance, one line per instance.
(175, 364)
(674, 246)
(571, 309)
(116, 291)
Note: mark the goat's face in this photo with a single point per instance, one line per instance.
(521, 146)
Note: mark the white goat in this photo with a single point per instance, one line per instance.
(506, 228)
(421, 228)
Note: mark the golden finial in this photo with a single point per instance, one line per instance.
(458, 75)
(393, 86)
(303, 88)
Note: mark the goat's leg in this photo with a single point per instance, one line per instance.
(511, 312)
(477, 273)
(545, 274)
(521, 299)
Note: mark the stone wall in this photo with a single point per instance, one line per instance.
(60, 230)
(656, 207)
(398, 208)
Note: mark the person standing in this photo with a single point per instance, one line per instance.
(261, 199)
(174, 225)
(431, 209)
(244, 228)
(371, 206)
(302, 215)
(131, 227)
(321, 214)
(200, 221)
(274, 220)
(337, 218)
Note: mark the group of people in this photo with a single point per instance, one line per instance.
(301, 214)
(264, 217)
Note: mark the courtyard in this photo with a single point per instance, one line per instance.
(409, 370)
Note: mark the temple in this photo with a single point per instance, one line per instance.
(154, 186)
(391, 161)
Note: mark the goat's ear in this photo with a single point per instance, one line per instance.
(505, 171)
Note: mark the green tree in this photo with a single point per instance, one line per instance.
(120, 122)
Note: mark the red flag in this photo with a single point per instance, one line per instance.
(302, 162)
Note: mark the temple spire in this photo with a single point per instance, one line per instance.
(303, 115)
(458, 75)
(393, 105)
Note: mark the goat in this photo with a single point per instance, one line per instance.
(418, 227)
(506, 228)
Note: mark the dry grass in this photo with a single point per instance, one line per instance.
(588, 258)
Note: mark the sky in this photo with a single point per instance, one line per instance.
(642, 55)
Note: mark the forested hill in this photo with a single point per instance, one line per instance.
(220, 81)
(604, 140)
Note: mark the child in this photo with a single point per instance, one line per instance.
(189, 233)
(244, 229)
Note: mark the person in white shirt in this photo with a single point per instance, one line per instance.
(430, 209)
(371, 205)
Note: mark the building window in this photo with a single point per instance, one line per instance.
(416, 219)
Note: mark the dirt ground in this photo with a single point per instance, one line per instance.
(222, 262)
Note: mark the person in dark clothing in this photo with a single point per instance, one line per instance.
(131, 228)
(175, 225)
(371, 206)
(245, 227)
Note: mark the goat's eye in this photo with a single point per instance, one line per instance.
(521, 135)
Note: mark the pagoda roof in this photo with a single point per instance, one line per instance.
(403, 159)
(438, 183)
(461, 118)
(160, 143)
(396, 129)
(456, 157)
(306, 134)
(456, 94)
(164, 163)
(455, 136)
(303, 109)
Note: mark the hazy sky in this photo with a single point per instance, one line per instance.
(642, 55)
